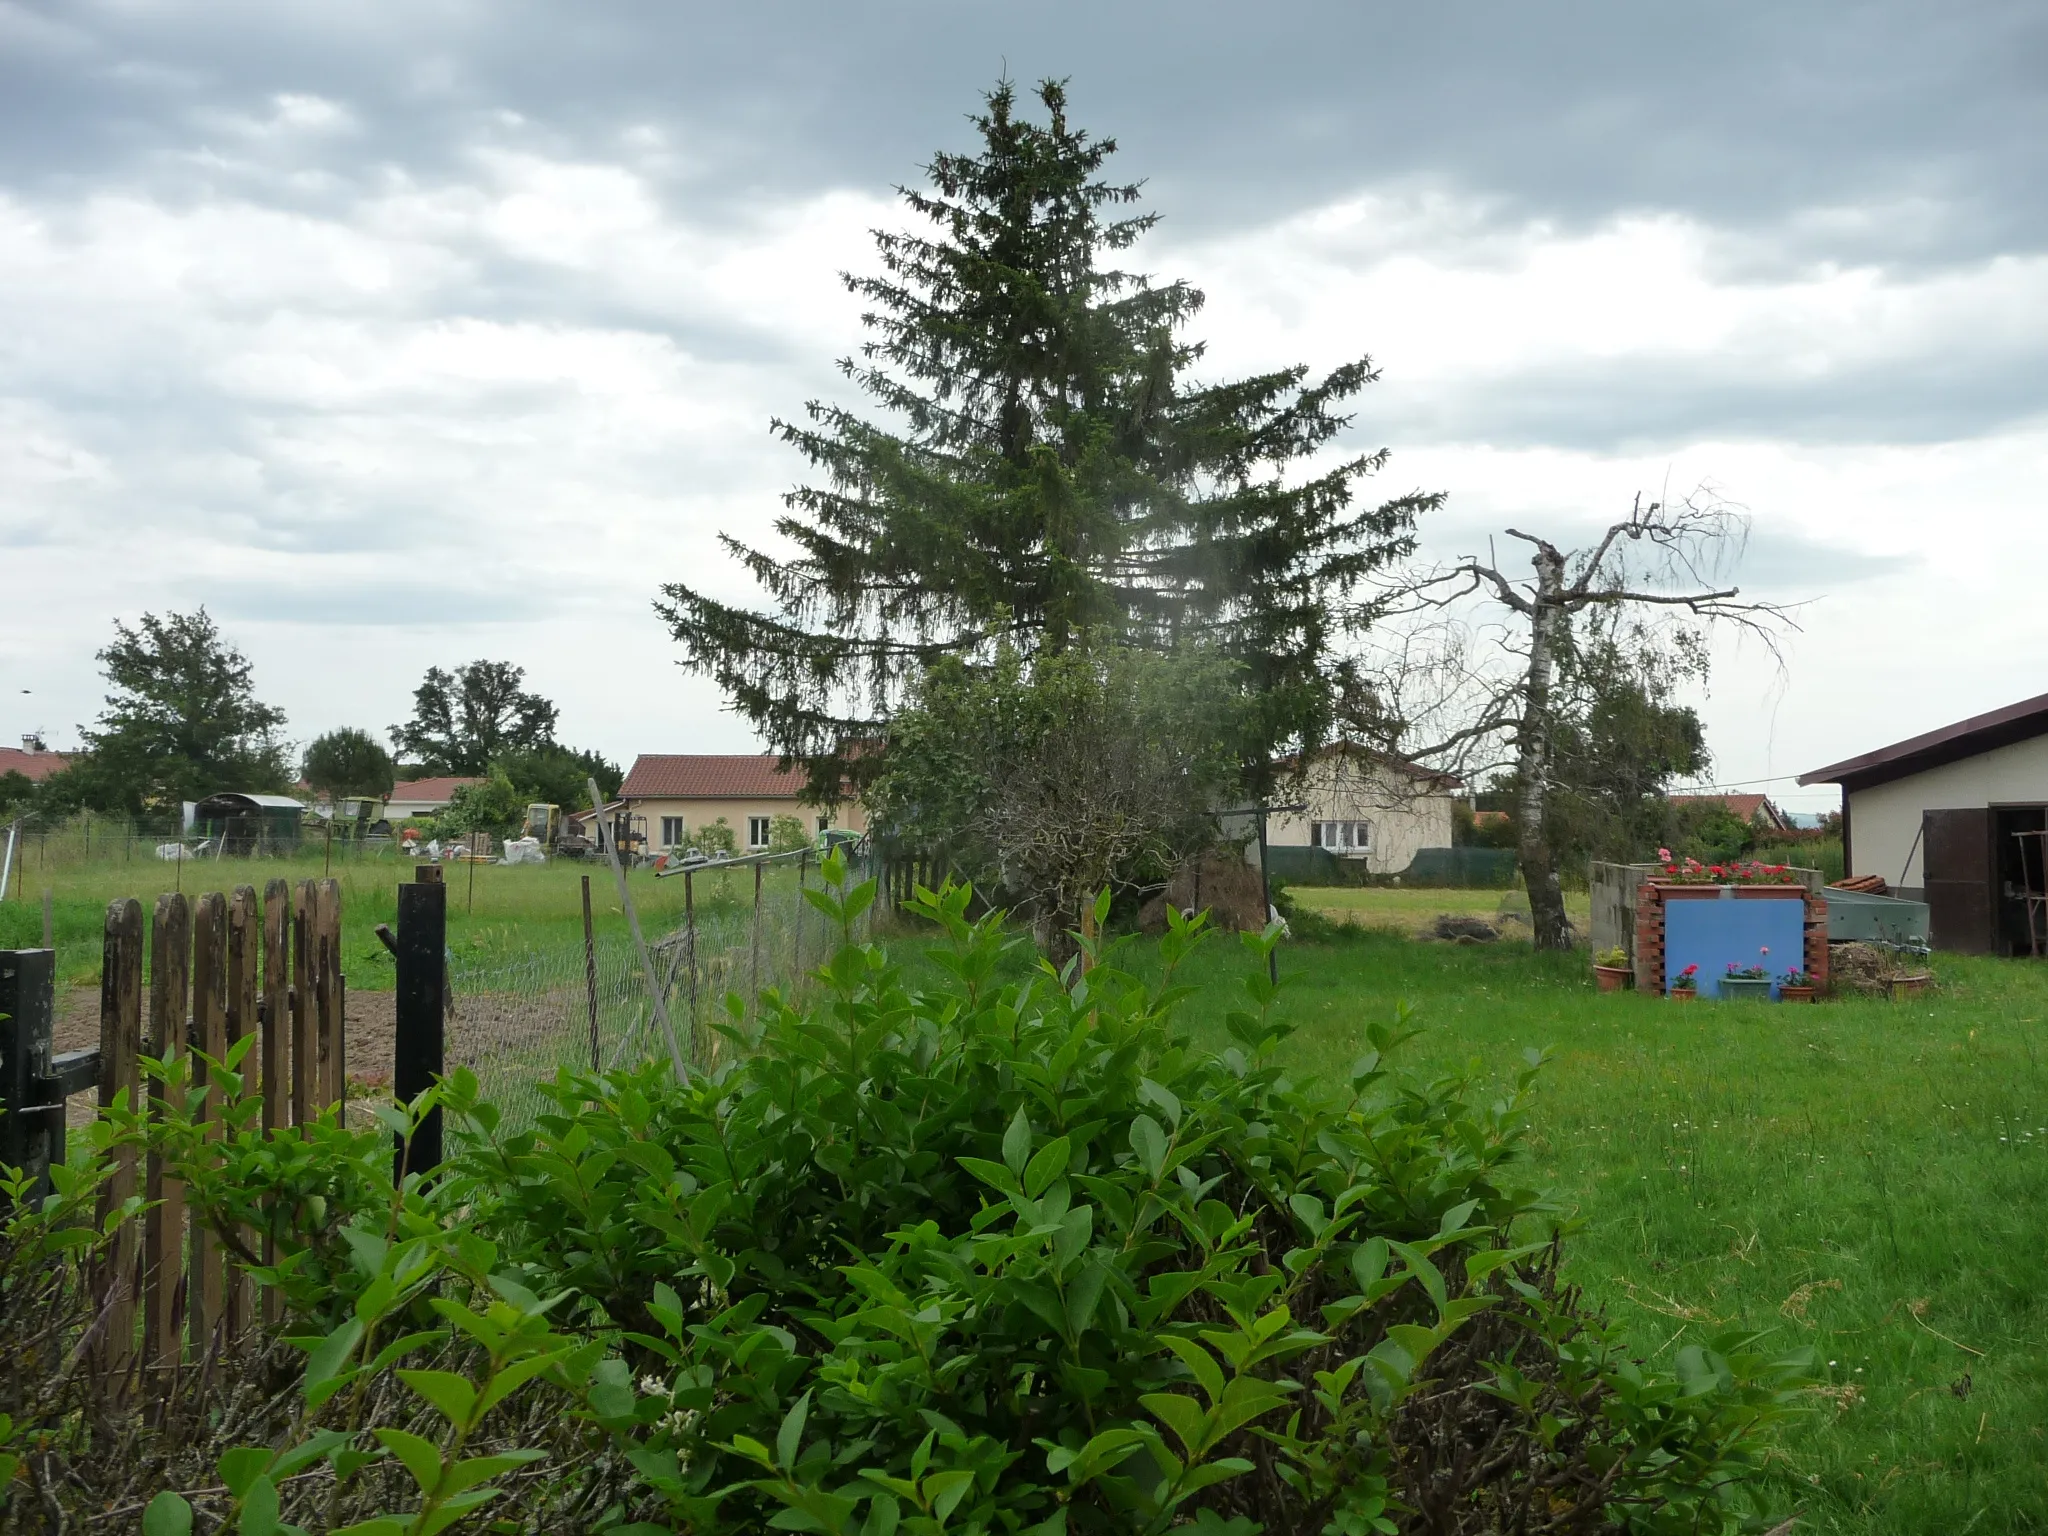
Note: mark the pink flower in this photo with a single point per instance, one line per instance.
(1664, 854)
(1764, 949)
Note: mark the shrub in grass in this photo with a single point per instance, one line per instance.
(1018, 1258)
(985, 1257)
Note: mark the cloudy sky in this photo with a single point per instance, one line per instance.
(404, 334)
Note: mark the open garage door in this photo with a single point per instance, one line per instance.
(1960, 875)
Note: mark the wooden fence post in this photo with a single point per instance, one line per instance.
(210, 1035)
(120, 1074)
(275, 1016)
(31, 1135)
(305, 1050)
(333, 1035)
(163, 1243)
(590, 977)
(418, 1051)
(242, 1015)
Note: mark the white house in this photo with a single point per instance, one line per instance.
(1955, 817)
(423, 797)
(1365, 806)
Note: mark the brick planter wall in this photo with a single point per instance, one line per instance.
(1654, 894)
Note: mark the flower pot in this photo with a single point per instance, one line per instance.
(1684, 994)
(1907, 986)
(1612, 978)
(1795, 994)
(1745, 989)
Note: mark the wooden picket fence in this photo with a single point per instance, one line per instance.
(219, 967)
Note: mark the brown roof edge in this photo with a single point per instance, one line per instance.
(1399, 764)
(1999, 727)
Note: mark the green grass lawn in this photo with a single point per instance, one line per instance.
(1412, 909)
(493, 911)
(1867, 1179)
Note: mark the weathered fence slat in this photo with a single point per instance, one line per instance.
(333, 1074)
(277, 1035)
(210, 1037)
(120, 1074)
(244, 961)
(163, 1241)
(305, 1049)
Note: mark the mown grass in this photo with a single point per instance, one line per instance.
(1414, 909)
(493, 910)
(1866, 1179)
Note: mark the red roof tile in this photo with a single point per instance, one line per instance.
(701, 776)
(32, 765)
(1741, 807)
(437, 790)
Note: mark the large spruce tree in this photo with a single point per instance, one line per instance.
(1042, 469)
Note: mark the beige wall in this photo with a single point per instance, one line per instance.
(1405, 816)
(702, 813)
(1884, 821)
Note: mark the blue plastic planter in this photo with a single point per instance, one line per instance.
(1714, 931)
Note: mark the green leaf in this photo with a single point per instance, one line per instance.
(1017, 1142)
(1200, 1362)
(451, 1394)
(1084, 1295)
(946, 1490)
(167, 1515)
(478, 1469)
(1048, 1165)
(241, 1467)
(259, 1509)
(789, 1439)
(995, 1175)
(421, 1458)
(1150, 1092)
(1181, 1414)
(1149, 1142)
(329, 1357)
(1456, 1217)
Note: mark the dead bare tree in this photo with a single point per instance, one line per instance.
(1662, 555)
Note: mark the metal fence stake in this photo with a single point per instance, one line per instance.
(654, 987)
(590, 976)
(419, 1046)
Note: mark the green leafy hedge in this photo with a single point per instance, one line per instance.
(981, 1257)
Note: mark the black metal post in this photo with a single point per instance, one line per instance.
(419, 1049)
(690, 949)
(31, 1128)
(1266, 894)
(590, 976)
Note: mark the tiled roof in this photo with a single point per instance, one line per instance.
(1741, 807)
(706, 776)
(32, 765)
(437, 791)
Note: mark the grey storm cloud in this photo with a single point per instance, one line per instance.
(1743, 114)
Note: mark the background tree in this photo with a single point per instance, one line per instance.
(553, 774)
(464, 719)
(787, 834)
(1042, 468)
(183, 721)
(490, 805)
(1045, 780)
(1660, 558)
(348, 762)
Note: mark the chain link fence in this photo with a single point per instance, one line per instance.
(747, 929)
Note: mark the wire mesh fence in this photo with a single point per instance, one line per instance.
(747, 929)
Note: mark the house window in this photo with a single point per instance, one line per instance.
(671, 831)
(824, 823)
(757, 831)
(1341, 836)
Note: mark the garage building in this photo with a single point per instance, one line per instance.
(1956, 818)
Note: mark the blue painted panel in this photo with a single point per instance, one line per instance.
(1710, 934)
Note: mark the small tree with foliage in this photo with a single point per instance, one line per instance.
(464, 720)
(183, 720)
(348, 762)
(552, 774)
(716, 840)
(786, 834)
(490, 805)
(1047, 781)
